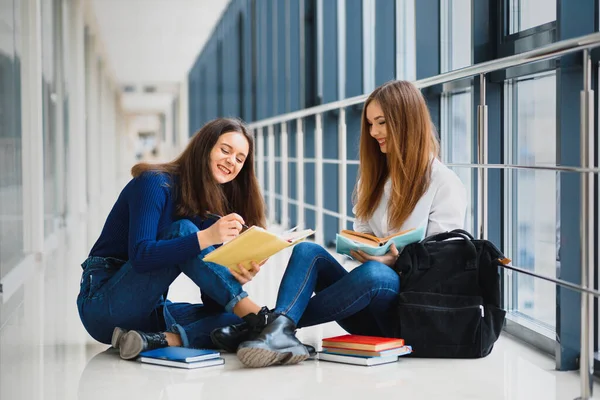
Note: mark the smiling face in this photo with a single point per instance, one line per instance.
(376, 123)
(228, 156)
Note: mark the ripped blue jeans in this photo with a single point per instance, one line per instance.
(113, 294)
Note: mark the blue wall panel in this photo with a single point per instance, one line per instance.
(385, 41)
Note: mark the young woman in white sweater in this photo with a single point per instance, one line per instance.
(401, 185)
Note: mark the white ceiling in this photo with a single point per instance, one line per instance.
(155, 41)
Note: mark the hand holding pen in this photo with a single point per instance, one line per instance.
(224, 229)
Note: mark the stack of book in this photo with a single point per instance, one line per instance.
(363, 350)
(182, 357)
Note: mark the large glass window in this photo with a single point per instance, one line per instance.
(11, 175)
(532, 197)
(457, 141)
(50, 100)
(525, 14)
(457, 98)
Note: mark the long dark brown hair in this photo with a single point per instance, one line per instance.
(196, 190)
(411, 146)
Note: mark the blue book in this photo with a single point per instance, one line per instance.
(181, 354)
(350, 240)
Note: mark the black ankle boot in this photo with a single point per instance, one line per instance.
(133, 343)
(276, 344)
(229, 337)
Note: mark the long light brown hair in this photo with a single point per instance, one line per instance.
(411, 144)
(196, 190)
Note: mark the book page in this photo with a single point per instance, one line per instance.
(385, 239)
(361, 237)
(295, 236)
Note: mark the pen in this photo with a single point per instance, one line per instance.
(217, 216)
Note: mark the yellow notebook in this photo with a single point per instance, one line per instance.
(255, 244)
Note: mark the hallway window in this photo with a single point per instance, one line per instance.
(11, 179)
(531, 196)
(457, 142)
(526, 14)
(50, 107)
(457, 98)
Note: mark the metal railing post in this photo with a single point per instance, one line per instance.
(319, 235)
(271, 172)
(342, 172)
(586, 359)
(283, 151)
(300, 172)
(482, 158)
(260, 157)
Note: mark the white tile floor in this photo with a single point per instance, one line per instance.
(46, 354)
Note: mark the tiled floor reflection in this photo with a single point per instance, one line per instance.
(46, 354)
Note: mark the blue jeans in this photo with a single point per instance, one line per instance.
(113, 294)
(361, 301)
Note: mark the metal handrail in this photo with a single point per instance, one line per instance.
(543, 53)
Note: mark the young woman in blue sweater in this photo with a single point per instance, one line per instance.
(401, 185)
(158, 229)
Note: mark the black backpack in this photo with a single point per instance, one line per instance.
(449, 301)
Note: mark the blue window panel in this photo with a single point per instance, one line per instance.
(330, 134)
(309, 82)
(292, 135)
(428, 52)
(293, 214)
(330, 200)
(354, 48)
(330, 51)
(278, 211)
(310, 220)
(248, 67)
(351, 176)
(353, 118)
(277, 133)
(278, 177)
(385, 41)
(309, 137)
(293, 185)
(294, 58)
(192, 103)
(330, 187)
(261, 77)
(574, 19)
(331, 226)
(427, 15)
(280, 48)
(330, 78)
(268, 65)
(309, 183)
(220, 79)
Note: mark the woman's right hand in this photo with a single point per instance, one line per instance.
(223, 230)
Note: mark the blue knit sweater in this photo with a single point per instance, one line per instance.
(144, 209)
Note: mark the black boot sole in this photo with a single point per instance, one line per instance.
(256, 357)
(131, 345)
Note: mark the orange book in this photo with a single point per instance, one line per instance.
(359, 342)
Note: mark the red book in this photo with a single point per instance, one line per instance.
(358, 342)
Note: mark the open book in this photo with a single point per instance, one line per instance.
(347, 241)
(255, 244)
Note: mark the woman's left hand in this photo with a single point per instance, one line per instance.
(388, 258)
(246, 275)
